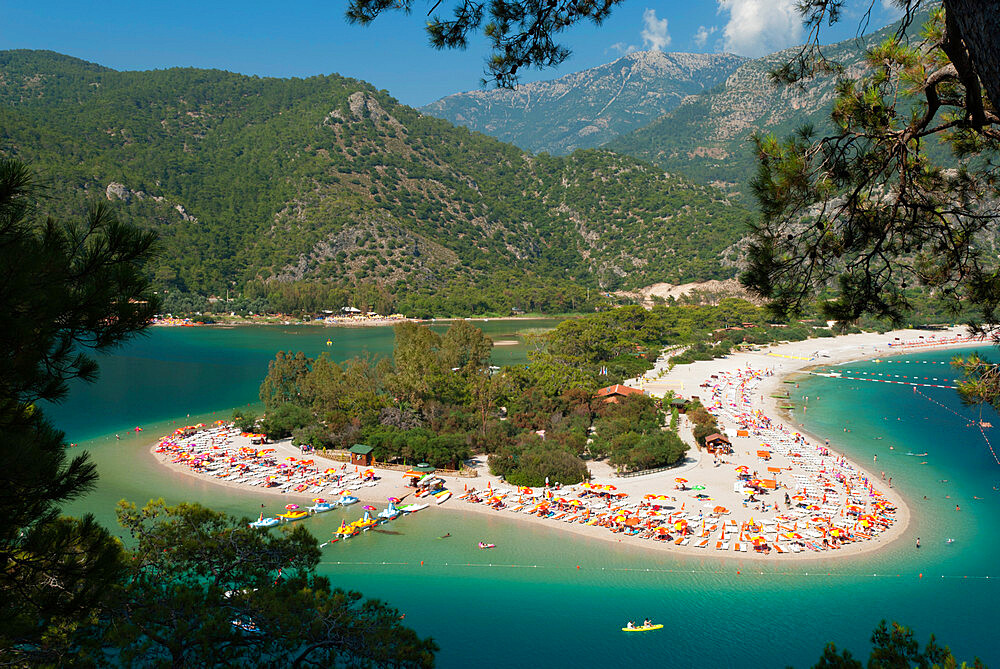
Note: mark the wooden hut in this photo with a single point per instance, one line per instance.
(361, 455)
(718, 443)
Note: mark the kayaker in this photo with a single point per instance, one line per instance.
(630, 625)
(647, 622)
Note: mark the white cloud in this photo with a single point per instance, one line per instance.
(654, 31)
(891, 10)
(702, 34)
(759, 27)
(621, 48)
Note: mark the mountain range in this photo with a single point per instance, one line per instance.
(588, 108)
(328, 181)
(691, 114)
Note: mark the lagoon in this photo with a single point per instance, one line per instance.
(547, 597)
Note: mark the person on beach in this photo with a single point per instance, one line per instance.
(918, 542)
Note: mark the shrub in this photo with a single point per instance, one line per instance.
(280, 422)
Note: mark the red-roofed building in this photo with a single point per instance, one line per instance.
(617, 392)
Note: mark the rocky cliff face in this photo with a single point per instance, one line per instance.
(587, 108)
(707, 136)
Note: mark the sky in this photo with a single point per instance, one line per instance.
(307, 38)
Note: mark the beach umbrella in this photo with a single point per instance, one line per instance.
(698, 487)
(680, 480)
(319, 500)
(291, 507)
(799, 498)
(368, 507)
(394, 500)
(813, 507)
(345, 492)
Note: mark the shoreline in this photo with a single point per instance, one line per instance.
(783, 362)
(361, 322)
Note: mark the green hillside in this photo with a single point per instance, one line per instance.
(326, 189)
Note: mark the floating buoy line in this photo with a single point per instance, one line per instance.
(741, 571)
(980, 424)
(917, 382)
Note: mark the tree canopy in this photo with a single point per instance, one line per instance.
(876, 205)
(69, 287)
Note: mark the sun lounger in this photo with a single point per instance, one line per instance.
(701, 544)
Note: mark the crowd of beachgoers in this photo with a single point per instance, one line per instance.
(775, 491)
(809, 500)
(223, 453)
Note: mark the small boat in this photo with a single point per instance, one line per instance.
(443, 496)
(347, 500)
(346, 531)
(264, 522)
(365, 524)
(320, 507)
(293, 515)
(485, 545)
(413, 508)
(645, 628)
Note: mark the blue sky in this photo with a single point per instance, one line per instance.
(307, 38)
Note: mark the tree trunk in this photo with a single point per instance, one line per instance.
(979, 23)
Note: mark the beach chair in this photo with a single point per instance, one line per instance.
(737, 546)
(744, 547)
(779, 548)
(701, 544)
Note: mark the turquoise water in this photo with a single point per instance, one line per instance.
(533, 604)
(175, 371)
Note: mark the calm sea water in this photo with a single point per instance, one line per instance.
(547, 597)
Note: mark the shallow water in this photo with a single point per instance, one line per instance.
(550, 597)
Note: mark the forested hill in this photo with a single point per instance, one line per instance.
(586, 109)
(327, 181)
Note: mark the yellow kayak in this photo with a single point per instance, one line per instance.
(642, 629)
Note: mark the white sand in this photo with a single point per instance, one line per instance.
(698, 468)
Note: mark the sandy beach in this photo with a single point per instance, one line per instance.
(799, 463)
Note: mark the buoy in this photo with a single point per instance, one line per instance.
(421, 563)
(577, 566)
(737, 572)
(921, 576)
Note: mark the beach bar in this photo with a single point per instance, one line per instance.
(361, 455)
(718, 443)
